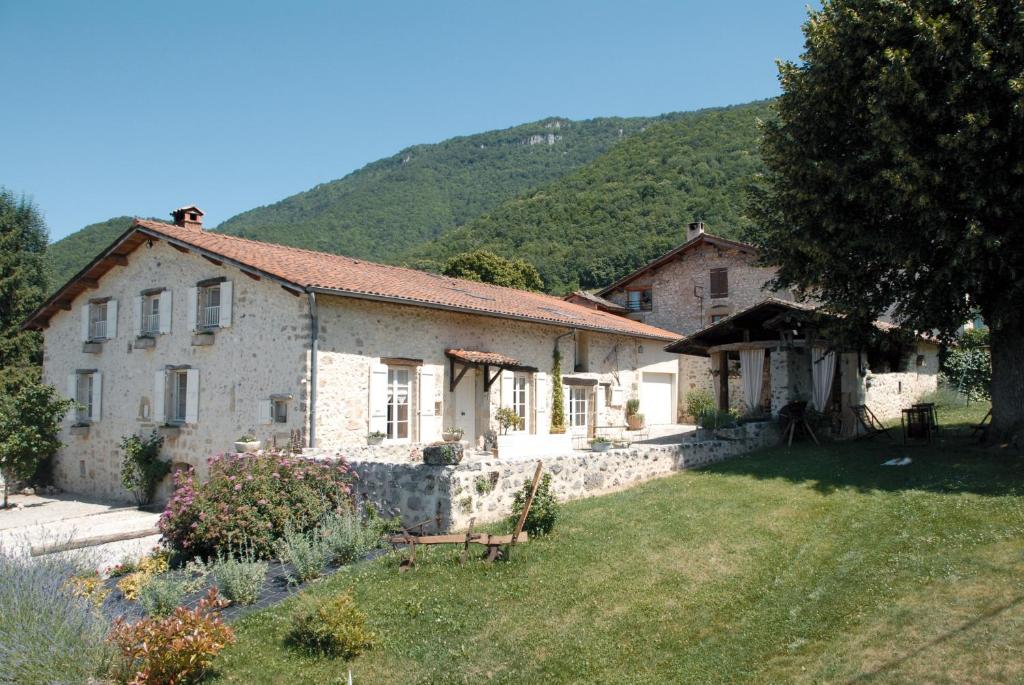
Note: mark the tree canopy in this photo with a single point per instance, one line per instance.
(23, 286)
(894, 174)
(487, 267)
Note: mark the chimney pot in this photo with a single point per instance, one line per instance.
(694, 229)
(189, 216)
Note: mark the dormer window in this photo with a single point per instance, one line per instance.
(640, 299)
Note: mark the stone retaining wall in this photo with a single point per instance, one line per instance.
(484, 489)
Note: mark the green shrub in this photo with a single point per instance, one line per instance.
(162, 594)
(698, 402)
(967, 367)
(240, 579)
(632, 407)
(249, 500)
(543, 512)
(142, 469)
(29, 424)
(714, 419)
(347, 537)
(945, 397)
(306, 552)
(332, 626)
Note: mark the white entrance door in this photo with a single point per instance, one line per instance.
(465, 406)
(656, 398)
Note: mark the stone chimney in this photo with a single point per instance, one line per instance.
(188, 217)
(693, 230)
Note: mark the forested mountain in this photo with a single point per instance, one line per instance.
(628, 206)
(584, 201)
(404, 200)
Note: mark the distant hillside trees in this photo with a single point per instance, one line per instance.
(487, 267)
(23, 286)
(894, 173)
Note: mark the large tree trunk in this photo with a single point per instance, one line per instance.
(1008, 384)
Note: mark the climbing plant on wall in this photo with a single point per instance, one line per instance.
(557, 398)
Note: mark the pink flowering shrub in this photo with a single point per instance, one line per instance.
(249, 500)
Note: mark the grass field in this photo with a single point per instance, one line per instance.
(805, 565)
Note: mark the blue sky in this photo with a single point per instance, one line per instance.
(138, 107)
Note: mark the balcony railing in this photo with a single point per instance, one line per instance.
(150, 324)
(209, 317)
(98, 329)
(635, 306)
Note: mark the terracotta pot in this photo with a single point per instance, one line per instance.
(634, 422)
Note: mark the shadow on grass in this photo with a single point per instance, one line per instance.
(952, 463)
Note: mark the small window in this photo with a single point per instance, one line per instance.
(715, 318)
(399, 398)
(209, 306)
(520, 399)
(151, 314)
(640, 299)
(177, 396)
(83, 397)
(98, 321)
(719, 283)
(280, 411)
(578, 396)
(582, 354)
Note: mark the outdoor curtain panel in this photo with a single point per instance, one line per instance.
(823, 370)
(752, 373)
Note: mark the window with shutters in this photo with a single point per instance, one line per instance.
(151, 314)
(177, 396)
(521, 400)
(398, 403)
(209, 306)
(280, 410)
(719, 283)
(85, 383)
(98, 321)
(640, 299)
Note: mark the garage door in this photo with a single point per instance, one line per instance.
(656, 398)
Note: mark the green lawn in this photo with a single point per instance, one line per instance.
(810, 565)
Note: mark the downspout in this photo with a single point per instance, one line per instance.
(314, 343)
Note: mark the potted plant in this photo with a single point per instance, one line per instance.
(600, 444)
(247, 443)
(508, 418)
(375, 438)
(453, 434)
(634, 419)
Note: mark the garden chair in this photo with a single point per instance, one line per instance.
(498, 546)
(869, 422)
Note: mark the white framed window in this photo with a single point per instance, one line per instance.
(209, 307)
(151, 314)
(399, 393)
(98, 321)
(280, 410)
(578, 406)
(176, 396)
(86, 389)
(521, 400)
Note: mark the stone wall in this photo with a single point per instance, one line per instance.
(887, 394)
(484, 489)
(263, 352)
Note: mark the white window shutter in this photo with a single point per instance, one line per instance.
(138, 315)
(97, 396)
(265, 411)
(541, 401)
(225, 304)
(159, 390)
(85, 321)
(378, 398)
(192, 396)
(426, 391)
(618, 395)
(73, 387)
(111, 319)
(507, 378)
(165, 312)
(193, 308)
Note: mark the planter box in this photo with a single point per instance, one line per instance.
(600, 446)
(526, 445)
(247, 447)
(444, 454)
(145, 343)
(202, 339)
(92, 347)
(375, 440)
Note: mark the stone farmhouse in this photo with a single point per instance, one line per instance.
(206, 337)
(713, 293)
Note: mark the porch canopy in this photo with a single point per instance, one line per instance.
(769, 324)
(469, 359)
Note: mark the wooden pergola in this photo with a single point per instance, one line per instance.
(471, 359)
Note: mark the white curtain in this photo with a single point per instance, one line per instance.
(823, 370)
(752, 374)
(715, 383)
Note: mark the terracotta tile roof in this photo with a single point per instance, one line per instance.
(599, 301)
(491, 358)
(336, 274)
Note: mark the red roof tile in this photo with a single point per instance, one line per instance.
(475, 357)
(336, 274)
